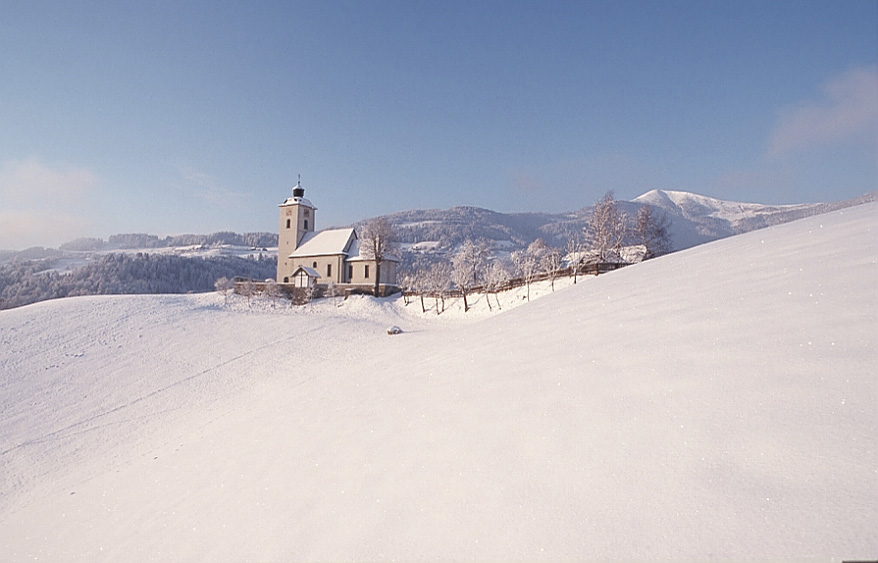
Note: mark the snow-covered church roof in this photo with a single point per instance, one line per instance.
(325, 243)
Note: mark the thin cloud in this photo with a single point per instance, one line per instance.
(206, 188)
(31, 182)
(846, 112)
(20, 229)
(40, 204)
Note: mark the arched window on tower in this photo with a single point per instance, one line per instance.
(288, 223)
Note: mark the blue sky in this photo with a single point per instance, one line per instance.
(191, 117)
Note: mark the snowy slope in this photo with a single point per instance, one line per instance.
(715, 403)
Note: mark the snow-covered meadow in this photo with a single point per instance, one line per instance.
(716, 403)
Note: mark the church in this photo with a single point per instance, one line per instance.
(310, 258)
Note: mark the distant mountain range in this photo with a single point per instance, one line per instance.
(694, 219)
(697, 219)
(138, 263)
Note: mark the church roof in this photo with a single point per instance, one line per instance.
(325, 243)
(310, 271)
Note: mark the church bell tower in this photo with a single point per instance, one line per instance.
(296, 219)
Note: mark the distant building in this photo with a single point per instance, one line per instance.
(332, 255)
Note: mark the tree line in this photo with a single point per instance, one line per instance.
(141, 240)
(25, 282)
(609, 231)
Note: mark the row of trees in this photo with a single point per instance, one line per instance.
(473, 267)
(140, 240)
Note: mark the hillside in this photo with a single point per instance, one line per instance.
(694, 219)
(716, 403)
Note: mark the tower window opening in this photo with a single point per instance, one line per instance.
(329, 270)
(288, 223)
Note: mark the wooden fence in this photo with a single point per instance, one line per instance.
(299, 295)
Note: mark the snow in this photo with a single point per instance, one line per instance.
(300, 200)
(326, 242)
(716, 403)
(732, 211)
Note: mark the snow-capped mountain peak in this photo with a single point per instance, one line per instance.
(696, 219)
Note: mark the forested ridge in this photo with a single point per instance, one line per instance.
(27, 281)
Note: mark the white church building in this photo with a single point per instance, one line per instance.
(308, 257)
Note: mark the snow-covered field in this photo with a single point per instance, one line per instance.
(717, 403)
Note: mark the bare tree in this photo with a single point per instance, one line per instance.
(333, 292)
(651, 230)
(496, 278)
(606, 228)
(527, 262)
(421, 284)
(224, 286)
(468, 266)
(439, 282)
(550, 263)
(309, 293)
(574, 248)
(248, 288)
(419, 280)
(407, 282)
(272, 292)
(378, 242)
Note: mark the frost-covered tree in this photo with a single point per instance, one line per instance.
(468, 266)
(527, 262)
(607, 228)
(272, 292)
(248, 288)
(224, 287)
(420, 283)
(496, 278)
(439, 282)
(651, 230)
(309, 293)
(334, 293)
(378, 242)
(550, 262)
(574, 246)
